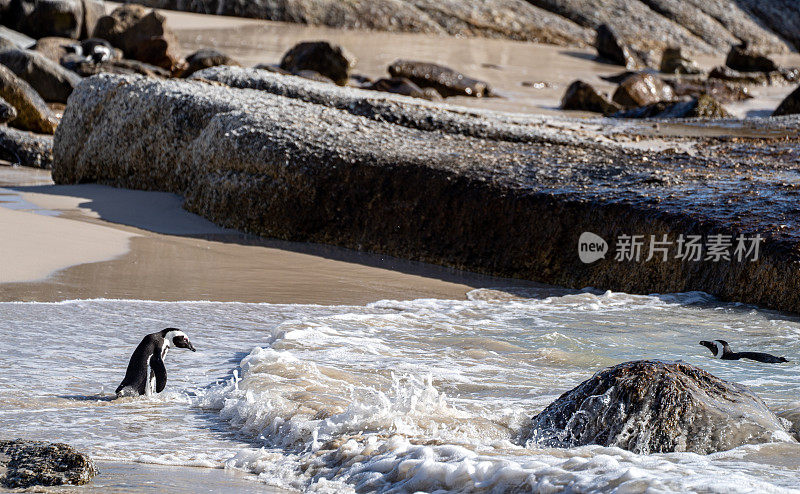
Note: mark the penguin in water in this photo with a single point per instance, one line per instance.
(721, 350)
(146, 373)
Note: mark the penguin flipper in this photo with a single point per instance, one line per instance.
(157, 364)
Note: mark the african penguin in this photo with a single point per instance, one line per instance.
(146, 373)
(721, 350)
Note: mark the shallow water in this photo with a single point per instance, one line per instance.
(394, 396)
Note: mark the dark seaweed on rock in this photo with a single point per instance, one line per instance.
(657, 407)
(35, 463)
(26, 148)
(493, 193)
(446, 81)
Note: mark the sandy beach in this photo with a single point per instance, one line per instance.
(115, 243)
(336, 370)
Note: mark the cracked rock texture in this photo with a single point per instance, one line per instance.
(657, 407)
(31, 464)
(704, 26)
(294, 159)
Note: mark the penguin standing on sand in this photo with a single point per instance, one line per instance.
(721, 350)
(146, 373)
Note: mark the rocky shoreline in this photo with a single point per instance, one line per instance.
(701, 27)
(25, 464)
(307, 161)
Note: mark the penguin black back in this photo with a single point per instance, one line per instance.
(146, 371)
(721, 350)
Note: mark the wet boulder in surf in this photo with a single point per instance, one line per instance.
(657, 407)
(446, 81)
(26, 464)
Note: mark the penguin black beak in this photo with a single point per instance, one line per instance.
(189, 345)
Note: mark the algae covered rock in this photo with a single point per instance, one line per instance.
(658, 407)
(35, 463)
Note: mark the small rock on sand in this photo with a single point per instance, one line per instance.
(203, 59)
(745, 59)
(581, 95)
(642, 89)
(446, 81)
(330, 61)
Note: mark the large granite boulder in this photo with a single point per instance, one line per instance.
(642, 89)
(32, 112)
(25, 148)
(745, 59)
(611, 48)
(790, 105)
(30, 464)
(142, 34)
(331, 61)
(284, 157)
(581, 95)
(446, 81)
(52, 81)
(658, 407)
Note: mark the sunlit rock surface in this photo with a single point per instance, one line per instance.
(493, 193)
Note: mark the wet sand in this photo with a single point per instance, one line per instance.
(124, 478)
(174, 255)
